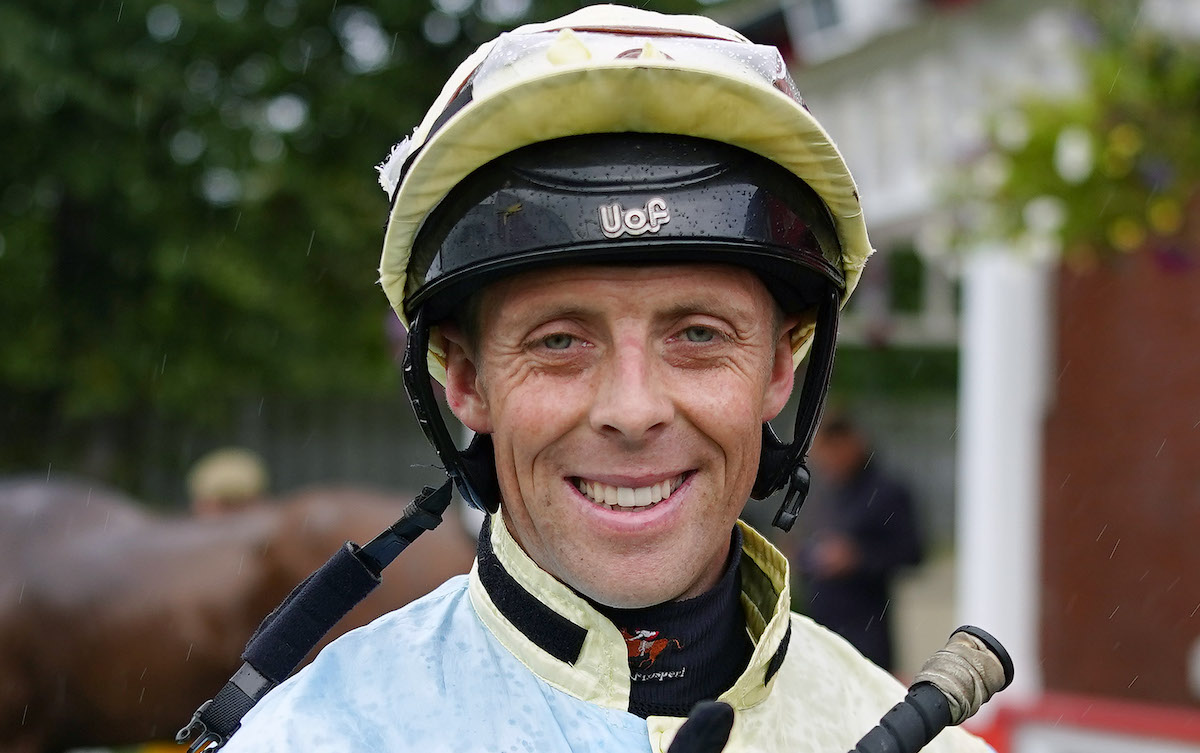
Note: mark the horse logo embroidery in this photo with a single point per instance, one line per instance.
(646, 646)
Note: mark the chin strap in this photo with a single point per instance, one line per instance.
(785, 516)
(473, 469)
(784, 464)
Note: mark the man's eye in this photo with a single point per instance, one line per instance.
(699, 334)
(558, 341)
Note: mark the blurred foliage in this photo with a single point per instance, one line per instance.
(188, 211)
(900, 373)
(1114, 168)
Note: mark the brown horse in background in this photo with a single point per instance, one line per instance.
(115, 624)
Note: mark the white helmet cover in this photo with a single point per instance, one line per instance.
(609, 69)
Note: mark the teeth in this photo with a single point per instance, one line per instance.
(627, 497)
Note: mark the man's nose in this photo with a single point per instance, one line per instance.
(632, 400)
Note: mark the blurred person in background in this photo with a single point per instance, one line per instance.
(226, 479)
(859, 530)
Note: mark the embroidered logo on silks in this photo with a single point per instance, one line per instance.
(645, 646)
(616, 221)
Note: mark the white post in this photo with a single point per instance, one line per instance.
(1006, 336)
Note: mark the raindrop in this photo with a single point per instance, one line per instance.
(298, 52)
(1116, 77)
(230, 10)
(186, 146)
(286, 113)
(163, 22)
(440, 29)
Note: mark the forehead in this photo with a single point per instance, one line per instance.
(718, 288)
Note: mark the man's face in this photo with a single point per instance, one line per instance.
(625, 405)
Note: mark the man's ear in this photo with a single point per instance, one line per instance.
(464, 392)
(783, 372)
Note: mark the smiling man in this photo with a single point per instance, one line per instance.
(625, 406)
(613, 238)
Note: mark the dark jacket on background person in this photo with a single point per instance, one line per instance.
(875, 512)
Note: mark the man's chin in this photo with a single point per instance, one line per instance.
(619, 595)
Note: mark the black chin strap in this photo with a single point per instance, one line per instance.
(473, 469)
(782, 463)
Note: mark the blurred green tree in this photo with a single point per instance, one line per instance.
(1116, 167)
(188, 214)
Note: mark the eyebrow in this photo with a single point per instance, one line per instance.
(705, 306)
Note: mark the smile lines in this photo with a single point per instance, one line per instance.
(624, 497)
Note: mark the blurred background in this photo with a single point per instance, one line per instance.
(189, 235)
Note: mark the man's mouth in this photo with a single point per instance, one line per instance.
(628, 498)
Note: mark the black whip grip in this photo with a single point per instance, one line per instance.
(958, 679)
(910, 724)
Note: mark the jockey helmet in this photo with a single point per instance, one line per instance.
(616, 135)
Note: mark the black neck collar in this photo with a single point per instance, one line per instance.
(683, 652)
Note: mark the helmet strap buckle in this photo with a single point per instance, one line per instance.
(797, 492)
